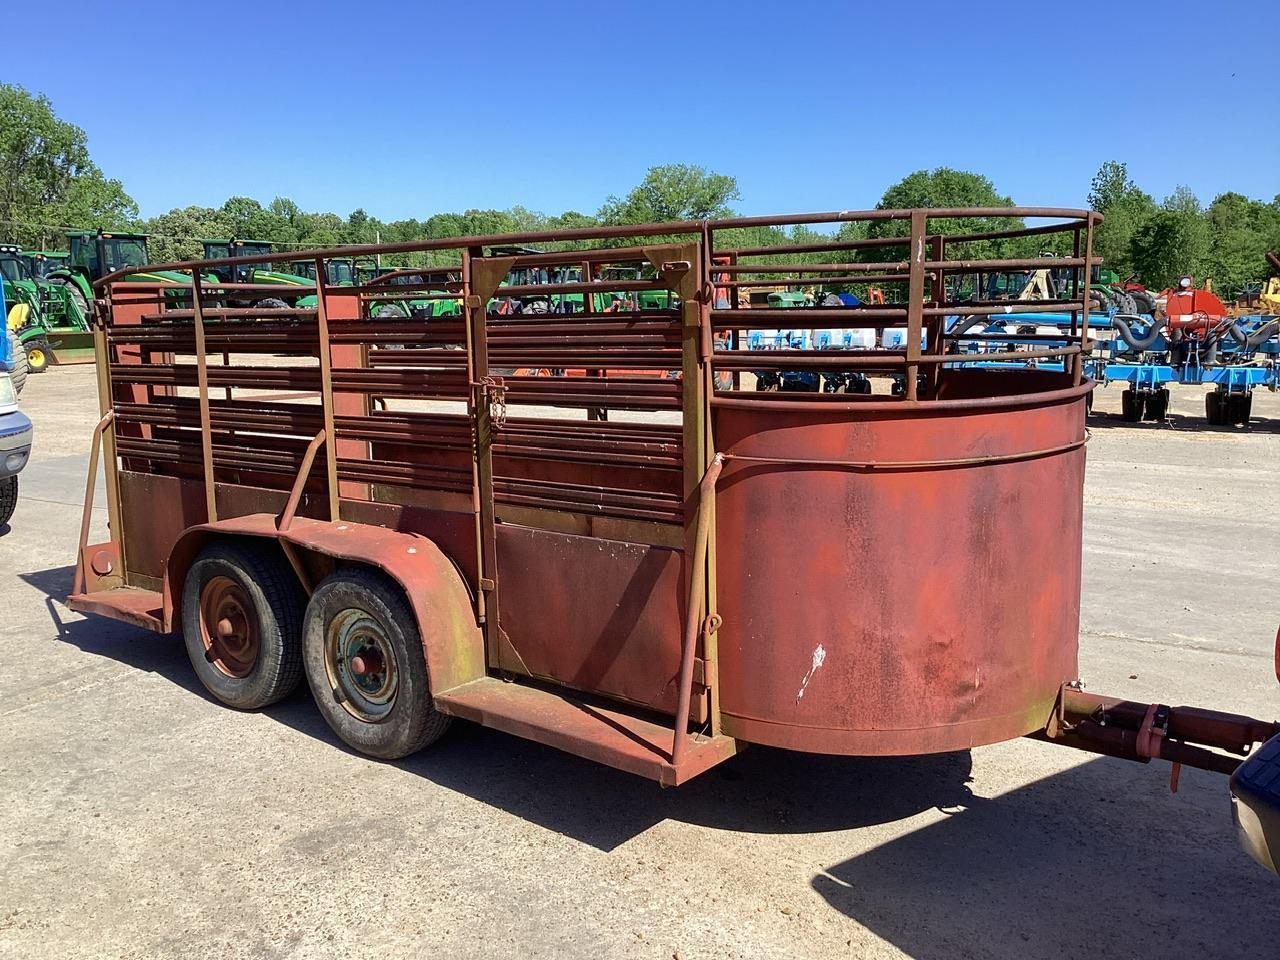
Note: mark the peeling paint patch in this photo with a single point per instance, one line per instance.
(819, 655)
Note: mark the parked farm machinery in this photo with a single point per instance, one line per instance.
(43, 315)
(1196, 340)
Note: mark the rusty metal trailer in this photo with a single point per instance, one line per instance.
(649, 571)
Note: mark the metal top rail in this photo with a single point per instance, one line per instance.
(1071, 218)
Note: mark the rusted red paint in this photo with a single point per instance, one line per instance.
(441, 604)
(943, 615)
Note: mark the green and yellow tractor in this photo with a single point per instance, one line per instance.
(95, 253)
(42, 315)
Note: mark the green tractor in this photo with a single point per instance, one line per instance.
(339, 272)
(95, 253)
(42, 262)
(256, 273)
(42, 316)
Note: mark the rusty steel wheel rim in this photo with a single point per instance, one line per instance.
(361, 665)
(228, 628)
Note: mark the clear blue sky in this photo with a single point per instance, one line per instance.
(415, 108)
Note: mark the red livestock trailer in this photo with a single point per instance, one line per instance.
(652, 572)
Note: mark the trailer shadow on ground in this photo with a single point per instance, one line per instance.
(1096, 858)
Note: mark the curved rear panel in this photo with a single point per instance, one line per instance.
(901, 609)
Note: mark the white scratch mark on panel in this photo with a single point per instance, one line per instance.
(819, 655)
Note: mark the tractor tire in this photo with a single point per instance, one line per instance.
(8, 499)
(271, 303)
(1125, 304)
(39, 356)
(1215, 408)
(242, 624)
(76, 296)
(1131, 406)
(1144, 301)
(17, 363)
(1100, 300)
(1240, 408)
(1157, 405)
(365, 665)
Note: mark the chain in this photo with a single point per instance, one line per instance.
(496, 392)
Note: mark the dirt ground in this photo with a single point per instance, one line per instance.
(144, 820)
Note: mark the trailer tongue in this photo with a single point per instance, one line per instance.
(652, 570)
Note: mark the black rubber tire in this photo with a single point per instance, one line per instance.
(1131, 406)
(77, 297)
(271, 303)
(412, 722)
(1240, 408)
(1100, 300)
(8, 499)
(1215, 408)
(17, 364)
(1157, 405)
(277, 601)
(1145, 302)
(38, 362)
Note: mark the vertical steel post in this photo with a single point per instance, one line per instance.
(202, 379)
(1078, 366)
(937, 325)
(482, 455)
(106, 405)
(326, 393)
(915, 299)
(473, 401)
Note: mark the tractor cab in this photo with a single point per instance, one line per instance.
(13, 267)
(339, 272)
(225, 249)
(96, 254)
(43, 262)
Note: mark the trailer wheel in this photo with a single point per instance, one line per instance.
(364, 663)
(8, 499)
(1131, 404)
(242, 624)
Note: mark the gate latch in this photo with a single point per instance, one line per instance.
(495, 394)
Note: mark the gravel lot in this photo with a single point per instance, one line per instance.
(144, 820)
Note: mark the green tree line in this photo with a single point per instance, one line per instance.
(48, 182)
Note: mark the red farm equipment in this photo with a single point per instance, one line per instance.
(360, 497)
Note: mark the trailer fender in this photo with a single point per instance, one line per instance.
(452, 642)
